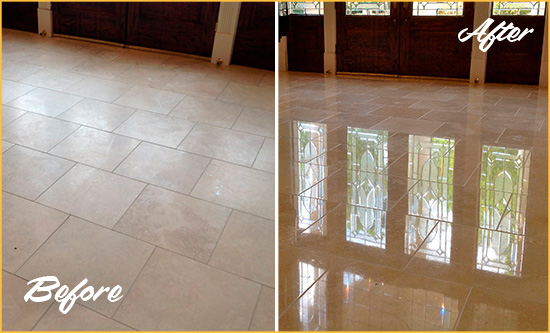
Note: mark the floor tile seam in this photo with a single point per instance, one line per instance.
(41, 317)
(113, 131)
(35, 199)
(113, 170)
(14, 119)
(225, 128)
(227, 83)
(420, 246)
(507, 205)
(294, 301)
(28, 75)
(17, 271)
(255, 308)
(226, 222)
(319, 181)
(317, 221)
(258, 152)
(456, 324)
(8, 149)
(6, 103)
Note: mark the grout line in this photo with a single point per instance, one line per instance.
(42, 316)
(220, 236)
(302, 294)
(455, 326)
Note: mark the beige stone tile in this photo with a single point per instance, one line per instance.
(264, 315)
(247, 248)
(81, 249)
(256, 97)
(15, 70)
(92, 194)
(399, 111)
(176, 222)
(141, 58)
(411, 126)
(168, 168)
(95, 148)
(97, 114)
(184, 64)
(204, 110)
(9, 114)
(155, 128)
(38, 132)
(25, 226)
(46, 102)
(239, 74)
(224, 144)
(241, 188)
(12, 90)
(220, 301)
(256, 121)
(6, 145)
(266, 157)
(28, 173)
(100, 67)
(149, 99)
(100, 89)
(494, 311)
(18, 315)
(79, 318)
(194, 85)
(146, 77)
(52, 79)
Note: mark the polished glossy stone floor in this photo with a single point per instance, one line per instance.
(412, 205)
(146, 170)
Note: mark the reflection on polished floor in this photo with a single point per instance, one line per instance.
(411, 205)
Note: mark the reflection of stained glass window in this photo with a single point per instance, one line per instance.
(305, 8)
(367, 187)
(513, 8)
(311, 149)
(504, 184)
(417, 230)
(312, 307)
(442, 8)
(431, 161)
(372, 8)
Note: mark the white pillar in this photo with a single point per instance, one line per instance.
(226, 29)
(478, 65)
(543, 80)
(45, 20)
(329, 22)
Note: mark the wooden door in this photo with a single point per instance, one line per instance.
(305, 43)
(429, 45)
(367, 43)
(255, 38)
(20, 16)
(186, 27)
(517, 62)
(97, 20)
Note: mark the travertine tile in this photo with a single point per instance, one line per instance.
(224, 144)
(101, 89)
(169, 168)
(9, 114)
(176, 222)
(52, 79)
(97, 114)
(264, 315)
(256, 97)
(246, 248)
(155, 128)
(256, 121)
(204, 110)
(28, 173)
(221, 301)
(149, 99)
(104, 257)
(12, 90)
(47, 102)
(92, 194)
(193, 85)
(266, 157)
(96, 148)
(241, 188)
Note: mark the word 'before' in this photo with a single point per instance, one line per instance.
(65, 296)
(499, 33)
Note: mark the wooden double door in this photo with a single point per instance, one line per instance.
(401, 43)
(187, 27)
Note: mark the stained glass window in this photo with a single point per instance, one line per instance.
(371, 8)
(519, 8)
(367, 187)
(504, 183)
(283, 8)
(449, 8)
(304, 8)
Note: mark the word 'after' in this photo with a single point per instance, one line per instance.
(67, 297)
(499, 33)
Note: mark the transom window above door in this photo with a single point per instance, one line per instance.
(371, 8)
(307, 8)
(449, 8)
(517, 8)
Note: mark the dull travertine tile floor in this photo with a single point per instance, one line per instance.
(412, 205)
(146, 170)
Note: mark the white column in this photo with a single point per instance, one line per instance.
(226, 29)
(283, 55)
(543, 80)
(478, 65)
(45, 20)
(329, 22)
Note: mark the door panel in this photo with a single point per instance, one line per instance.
(306, 43)
(186, 27)
(20, 16)
(367, 44)
(255, 39)
(429, 45)
(506, 60)
(97, 20)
